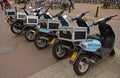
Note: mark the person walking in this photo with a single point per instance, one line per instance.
(1, 3)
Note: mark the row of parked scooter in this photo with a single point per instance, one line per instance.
(44, 30)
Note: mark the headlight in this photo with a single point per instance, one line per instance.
(35, 13)
(30, 7)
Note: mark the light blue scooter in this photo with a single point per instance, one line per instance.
(46, 37)
(91, 50)
(62, 47)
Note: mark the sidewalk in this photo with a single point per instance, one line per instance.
(108, 67)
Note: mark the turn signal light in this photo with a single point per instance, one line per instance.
(83, 46)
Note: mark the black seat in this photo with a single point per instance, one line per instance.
(95, 36)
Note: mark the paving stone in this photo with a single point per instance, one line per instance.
(58, 67)
(109, 73)
(100, 76)
(66, 62)
(61, 75)
(114, 67)
(70, 71)
(52, 70)
(48, 72)
(118, 61)
(37, 75)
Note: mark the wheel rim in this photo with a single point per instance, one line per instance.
(15, 29)
(83, 65)
(41, 42)
(60, 52)
(30, 35)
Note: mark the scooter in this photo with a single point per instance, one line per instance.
(48, 37)
(31, 33)
(95, 47)
(18, 26)
(61, 48)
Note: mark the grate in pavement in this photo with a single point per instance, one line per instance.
(8, 48)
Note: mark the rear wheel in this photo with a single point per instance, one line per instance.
(30, 34)
(17, 28)
(59, 51)
(81, 65)
(40, 42)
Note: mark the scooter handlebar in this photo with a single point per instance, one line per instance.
(23, 7)
(80, 16)
(47, 9)
(103, 20)
(113, 16)
(59, 14)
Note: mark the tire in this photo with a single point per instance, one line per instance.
(112, 53)
(58, 52)
(29, 35)
(40, 43)
(17, 28)
(80, 62)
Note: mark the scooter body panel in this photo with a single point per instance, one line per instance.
(91, 46)
(45, 30)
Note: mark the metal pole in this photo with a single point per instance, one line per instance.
(96, 15)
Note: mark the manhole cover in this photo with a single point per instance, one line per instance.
(8, 48)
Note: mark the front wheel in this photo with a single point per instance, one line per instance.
(40, 42)
(30, 35)
(17, 28)
(59, 51)
(81, 65)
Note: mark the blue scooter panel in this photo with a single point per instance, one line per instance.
(92, 45)
(45, 30)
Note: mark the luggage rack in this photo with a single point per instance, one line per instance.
(49, 24)
(72, 33)
(21, 15)
(10, 12)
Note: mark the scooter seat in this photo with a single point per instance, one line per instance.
(95, 36)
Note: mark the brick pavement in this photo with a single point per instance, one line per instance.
(108, 67)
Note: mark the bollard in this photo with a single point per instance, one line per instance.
(69, 7)
(96, 14)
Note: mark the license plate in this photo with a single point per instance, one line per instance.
(74, 55)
